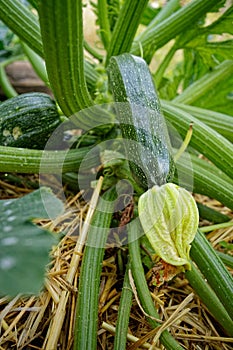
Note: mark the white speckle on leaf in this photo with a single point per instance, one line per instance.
(6, 203)
(9, 241)
(7, 228)
(11, 218)
(8, 212)
(7, 263)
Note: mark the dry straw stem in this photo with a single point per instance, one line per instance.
(130, 337)
(221, 235)
(178, 314)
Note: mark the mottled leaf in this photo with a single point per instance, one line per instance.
(25, 246)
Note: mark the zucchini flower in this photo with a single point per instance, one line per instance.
(169, 217)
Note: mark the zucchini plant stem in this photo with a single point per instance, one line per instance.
(220, 122)
(25, 24)
(64, 56)
(209, 228)
(5, 84)
(158, 75)
(92, 51)
(125, 27)
(27, 161)
(142, 289)
(20, 19)
(205, 83)
(168, 9)
(37, 63)
(85, 333)
(204, 139)
(13, 59)
(207, 180)
(185, 143)
(34, 3)
(212, 215)
(227, 259)
(105, 31)
(213, 270)
(120, 338)
(209, 298)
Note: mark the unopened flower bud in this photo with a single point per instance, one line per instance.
(169, 217)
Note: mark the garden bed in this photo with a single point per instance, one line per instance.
(33, 322)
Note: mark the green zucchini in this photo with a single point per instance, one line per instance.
(28, 120)
(141, 122)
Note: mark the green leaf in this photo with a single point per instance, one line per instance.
(24, 246)
(219, 98)
(177, 23)
(223, 24)
(193, 67)
(202, 56)
(202, 51)
(220, 50)
(113, 12)
(168, 86)
(8, 45)
(200, 63)
(218, 5)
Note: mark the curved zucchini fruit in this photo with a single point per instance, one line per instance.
(142, 124)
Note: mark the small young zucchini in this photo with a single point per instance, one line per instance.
(27, 120)
(141, 121)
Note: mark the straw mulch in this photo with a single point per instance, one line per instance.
(46, 321)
